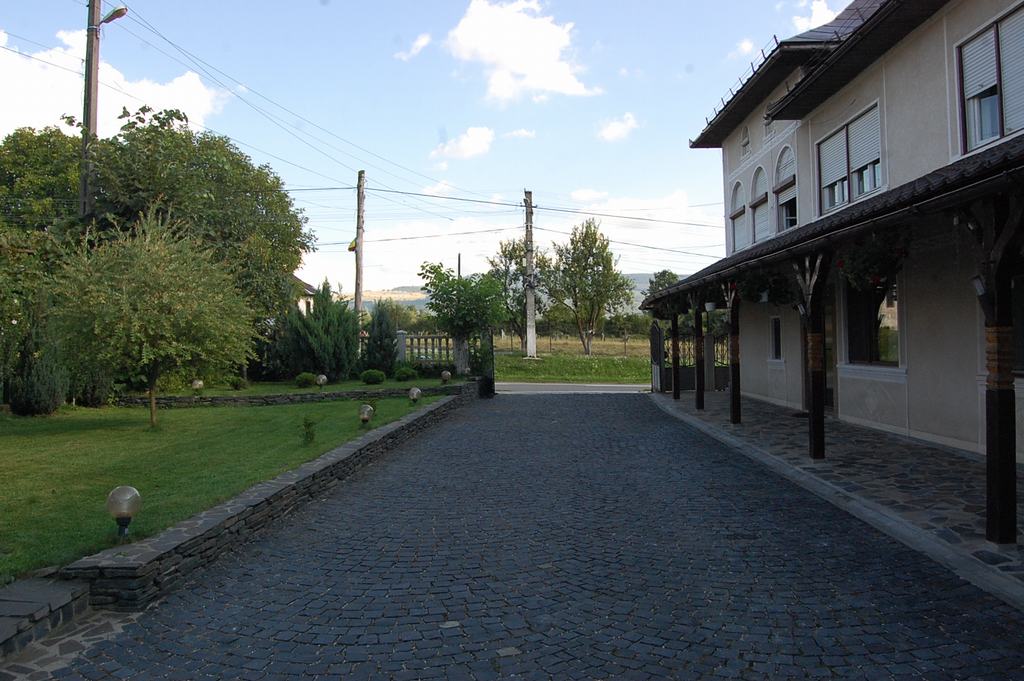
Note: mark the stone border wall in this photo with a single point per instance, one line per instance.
(129, 577)
(173, 401)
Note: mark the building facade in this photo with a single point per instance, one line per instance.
(874, 182)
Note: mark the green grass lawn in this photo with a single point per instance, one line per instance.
(287, 387)
(572, 369)
(58, 470)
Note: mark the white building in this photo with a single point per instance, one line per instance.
(883, 153)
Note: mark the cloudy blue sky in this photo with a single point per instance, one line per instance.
(588, 104)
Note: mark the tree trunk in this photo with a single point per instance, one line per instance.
(152, 401)
(461, 356)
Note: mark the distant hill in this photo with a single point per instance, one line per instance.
(414, 295)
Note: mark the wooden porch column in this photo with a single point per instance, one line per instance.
(995, 225)
(675, 356)
(811, 275)
(734, 357)
(698, 350)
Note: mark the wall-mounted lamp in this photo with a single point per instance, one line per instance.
(979, 285)
(710, 306)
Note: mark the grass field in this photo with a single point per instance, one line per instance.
(636, 346)
(58, 470)
(571, 369)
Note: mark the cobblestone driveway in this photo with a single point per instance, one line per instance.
(582, 536)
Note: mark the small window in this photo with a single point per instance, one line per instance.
(309, 306)
(741, 233)
(775, 334)
(787, 214)
(769, 128)
(785, 189)
(745, 143)
(872, 322)
(760, 213)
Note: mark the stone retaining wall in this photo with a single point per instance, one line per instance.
(129, 577)
(173, 401)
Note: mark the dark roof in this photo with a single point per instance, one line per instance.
(877, 25)
(800, 50)
(307, 289)
(974, 173)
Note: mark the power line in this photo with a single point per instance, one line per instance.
(425, 236)
(627, 243)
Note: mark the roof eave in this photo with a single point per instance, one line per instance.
(779, 64)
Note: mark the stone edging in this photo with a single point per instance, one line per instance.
(129, 577)
(176, 401)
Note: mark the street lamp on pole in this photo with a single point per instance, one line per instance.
(92, 64)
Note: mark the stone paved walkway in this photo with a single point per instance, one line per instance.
(937, 489)
(567, 537)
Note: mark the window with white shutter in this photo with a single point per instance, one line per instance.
(865, 154)
(992, 82)
(759, 206)
(741, 236)
(850, 161)
(833, 169)
(785, 189)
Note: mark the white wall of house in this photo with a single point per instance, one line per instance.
(937, 391)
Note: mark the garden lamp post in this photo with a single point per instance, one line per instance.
(122, 504)
(414, 394)
(92, 68)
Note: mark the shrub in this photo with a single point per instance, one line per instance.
(380, 343)
(306, 379)
(308, 430)
(237, 383)
(405, 374)
(91, 385)
(39, 387)
(324, 340)
(372, 376)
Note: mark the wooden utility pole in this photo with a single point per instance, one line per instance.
(360, 206)
(458, 267)
(531, 281)
(92, 48)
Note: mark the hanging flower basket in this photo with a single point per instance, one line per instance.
(873, 261)
(765, 286)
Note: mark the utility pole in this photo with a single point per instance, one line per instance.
(360, 206)
(89, 108)
(458, 266)
(531, 281)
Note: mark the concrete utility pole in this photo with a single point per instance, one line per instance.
(92, 66)
(360, 201)
(531, 281)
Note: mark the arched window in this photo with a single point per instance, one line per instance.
(738, 218)
(759, 206)
(744, 142)
(785, 189)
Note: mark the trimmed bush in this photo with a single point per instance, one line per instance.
(372, 376)
(405, 374)
(306, 379)
(39, 388)
(379, 352)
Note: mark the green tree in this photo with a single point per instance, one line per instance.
(659, 281)
(239, 210)
(39, 179)
(463, 306)
(508, 267)
(325, 340)
(380, 342)
(149, 301)
(582, 277)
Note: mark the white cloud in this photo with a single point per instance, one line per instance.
(441, 165)
(820, 14)
(521, 50)
(44, 93)
(743, 48)
(587, 195)
(442, 188)
(521, 133)
(422, 40)
(473, 142)
(618, 129)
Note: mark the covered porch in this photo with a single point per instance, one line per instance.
(850, 260)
